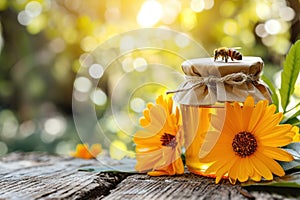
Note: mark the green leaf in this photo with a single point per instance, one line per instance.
(289, 74)
(294, 150)
(298, 104)
(295, 164)
(292, 119)
(273, 90)
(296, 114)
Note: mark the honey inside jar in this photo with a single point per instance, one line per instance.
(200, 134)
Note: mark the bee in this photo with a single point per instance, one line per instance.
(225, 52)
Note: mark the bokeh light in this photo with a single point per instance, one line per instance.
(140, 64)
(99, 97)
(82, 84)
(96, 71)
(44, 44)
(33, 8)
(272, 26)
(137, 105)
(197, 5)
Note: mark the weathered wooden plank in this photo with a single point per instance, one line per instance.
(42, 176)
(187, 186)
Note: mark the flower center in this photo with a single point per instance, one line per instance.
(244, 144)
(168, 140)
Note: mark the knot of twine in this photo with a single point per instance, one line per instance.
(230, 79)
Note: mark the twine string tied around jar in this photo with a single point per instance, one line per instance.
(230, 79)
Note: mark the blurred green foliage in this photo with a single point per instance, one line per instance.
(45, 42)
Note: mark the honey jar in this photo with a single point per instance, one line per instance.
(208, 85)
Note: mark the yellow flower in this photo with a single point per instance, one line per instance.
(158, 145)
(296, 138)
(248, 142)
(83, 151)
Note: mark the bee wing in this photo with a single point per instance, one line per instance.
(235, 47)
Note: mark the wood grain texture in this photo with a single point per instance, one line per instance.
(187, 186)
(28, 176)
(42, 176)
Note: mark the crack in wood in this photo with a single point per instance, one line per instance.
(102, 185)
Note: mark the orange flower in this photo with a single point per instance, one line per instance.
(158, 146)
(249, 141)
(83, 151)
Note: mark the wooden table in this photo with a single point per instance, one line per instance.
(43, 176)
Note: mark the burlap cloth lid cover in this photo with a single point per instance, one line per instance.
(208, 82)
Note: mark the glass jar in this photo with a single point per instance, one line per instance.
(198, 129)
(201, 96)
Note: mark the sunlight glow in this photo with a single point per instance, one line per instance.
(150, 13)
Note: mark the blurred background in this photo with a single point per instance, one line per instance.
(44, 43)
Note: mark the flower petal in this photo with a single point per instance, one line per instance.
(231, 120)
(247, 112)
(220, 166)
(233, 172)
(272, 165)
(221, 146)
(278, 142)
(277, 153)
(260, 167)
(256, 176)
(224, 169)
(249, 102)
(269, 122)
(275, 132)
(258, 112)
(242, 173)
(248, 167)
(238, 116)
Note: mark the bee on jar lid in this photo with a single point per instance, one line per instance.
(226, 53)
